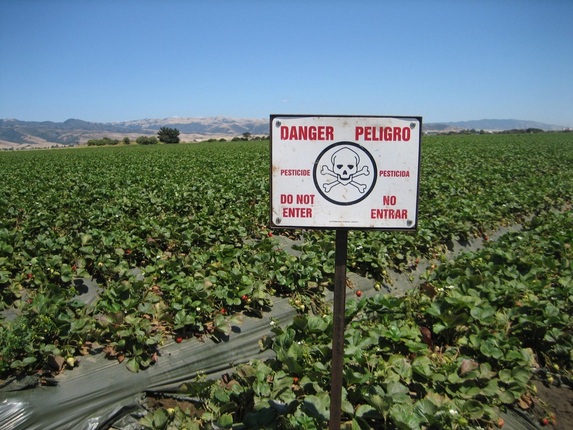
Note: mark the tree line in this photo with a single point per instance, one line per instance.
(166, 135)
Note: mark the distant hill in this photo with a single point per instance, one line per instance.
(202, 126)
(76, 131)
(490, 125)
(30, 134)
(47, 133)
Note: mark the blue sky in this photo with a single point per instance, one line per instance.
(119, 60)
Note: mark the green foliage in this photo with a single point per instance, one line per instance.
(185, 255)
(168, 135)
(106, 141)
(448, 355)
(525, 281)
(146, 140)
(176, 237)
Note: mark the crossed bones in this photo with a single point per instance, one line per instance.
(328, 186)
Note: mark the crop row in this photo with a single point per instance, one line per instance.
(450, 354)
(176, 236)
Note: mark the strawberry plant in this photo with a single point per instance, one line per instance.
(175, 234)
(523, 280)
(450, 354)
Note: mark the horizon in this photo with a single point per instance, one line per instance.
(118, 62)
(267, 119)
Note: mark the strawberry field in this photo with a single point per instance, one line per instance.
(176, 238)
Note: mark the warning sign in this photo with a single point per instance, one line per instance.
(345, 171)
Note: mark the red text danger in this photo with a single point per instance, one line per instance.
(307, 132)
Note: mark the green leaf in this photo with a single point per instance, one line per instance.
(367, 411)
(29, 360)
(491, 389)
(160, 418)
(133, 364)
(378, 403)
(395, 388)
(425, 408)
(225, 421)
(262, 388)
(473, 408)
(260, 418)
(405, 418)
(506, 397)
(317, 406)
(15, 364)
(422, 366)
(489, 349)
(484, 314)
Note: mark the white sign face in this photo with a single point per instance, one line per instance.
(345, 171)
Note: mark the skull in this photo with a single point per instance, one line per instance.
(345, 164)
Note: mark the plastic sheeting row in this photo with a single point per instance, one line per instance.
(100, 391)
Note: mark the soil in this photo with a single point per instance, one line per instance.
(154, 402)
(557, 400)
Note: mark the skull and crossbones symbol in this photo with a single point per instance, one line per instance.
(345, 164)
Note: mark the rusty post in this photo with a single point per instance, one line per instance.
(339, 307)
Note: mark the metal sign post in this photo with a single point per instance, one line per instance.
(339, 307)
(344, 172)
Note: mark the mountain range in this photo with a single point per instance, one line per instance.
(31, 134)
